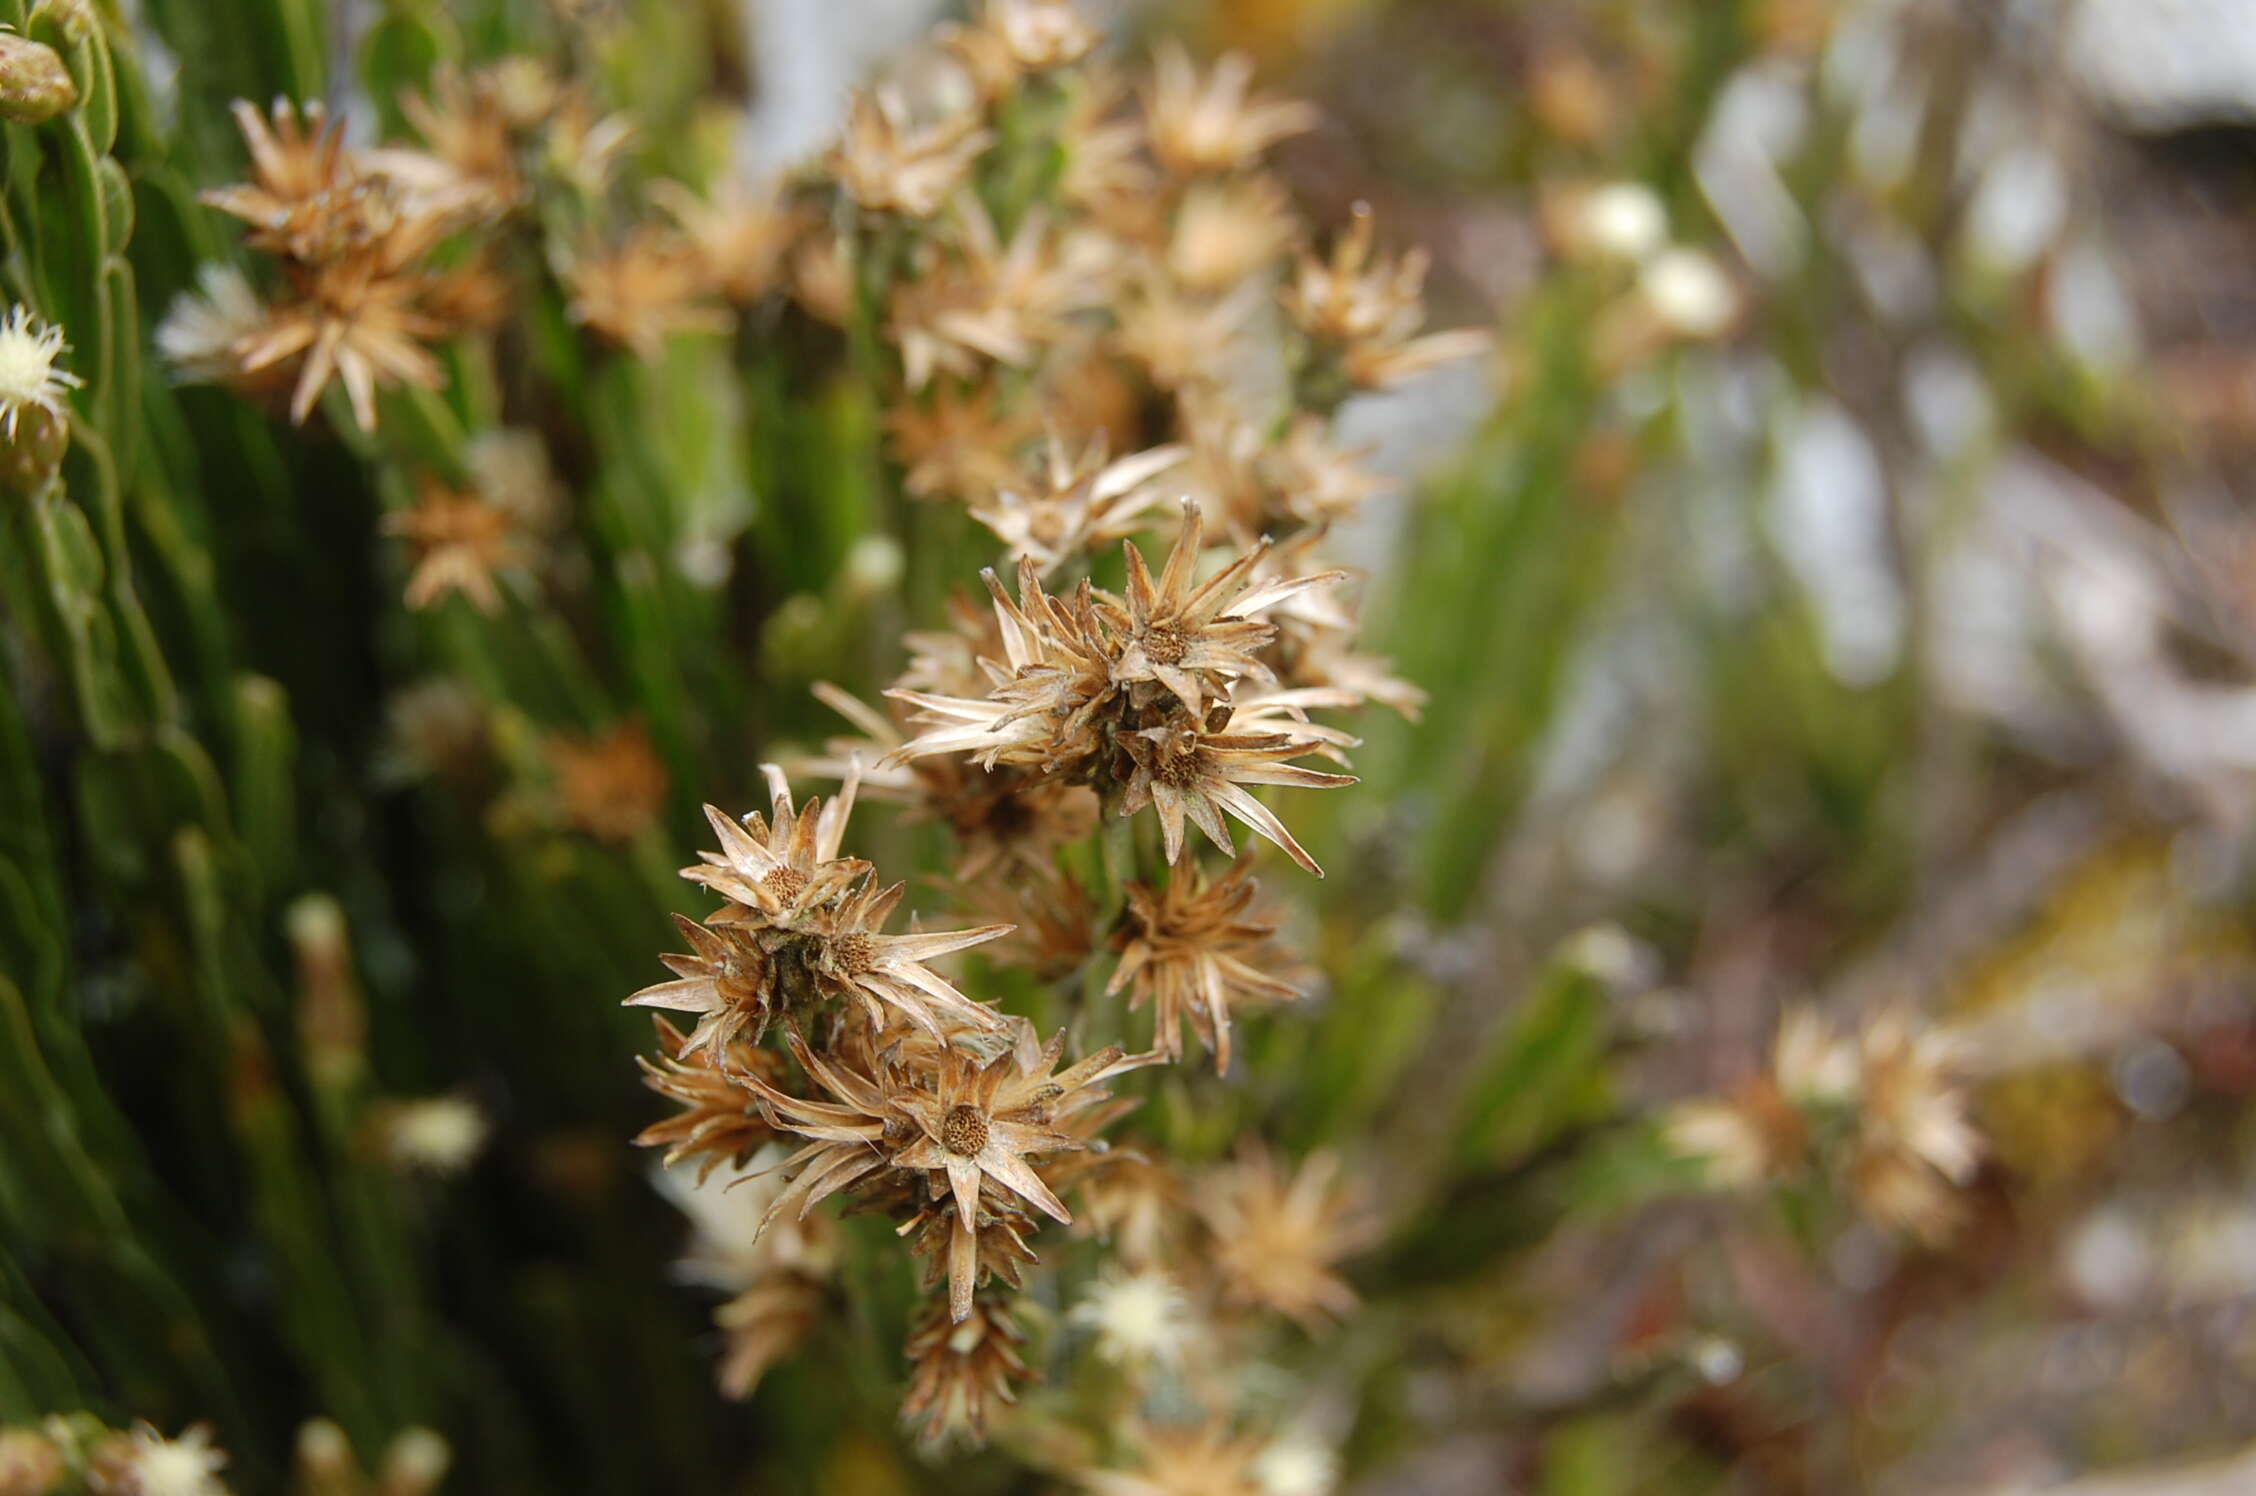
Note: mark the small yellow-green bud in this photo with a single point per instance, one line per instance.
(34, 84)
(32, 456)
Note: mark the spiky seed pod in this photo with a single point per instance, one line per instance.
(1184, 949)
(963, 1370)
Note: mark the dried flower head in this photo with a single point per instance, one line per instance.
(610, 785)
(1188, 773)
(970, 297)
(956, 1125)
(1278, 1238)
(962, 1371)
(740, 233)
(459, 541)
(1366, 313)
(803, 926)
(888, 165)
(471, 122)
(778, 1279)
(955, 443)
(308, 198)
(1180, 341)
(1074, 502)
(1184, 949)
(1044, 695)
(360, 322)
(1195, 637)
(1010, 39)
(1226, 231)
(1916, 1147)
(1746, 1139)
(1205, 1459)
(653, 285)
(1213, 124)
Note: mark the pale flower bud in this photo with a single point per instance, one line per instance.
(34, 84)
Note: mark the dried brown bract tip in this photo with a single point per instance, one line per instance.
(719, 1120)
(1184, 948)
(360, 321)
(1213, 124)
(886, 164)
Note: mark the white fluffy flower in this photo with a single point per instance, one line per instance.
(28, 376)
(1296, 1465)
(203, 327)
(186, 1466)
(1136, 1316)
(440, 1134)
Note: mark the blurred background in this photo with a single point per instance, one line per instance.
(1838, 590)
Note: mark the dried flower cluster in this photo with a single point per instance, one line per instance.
(1103, 341)
(1886, 1111)
(77, 1455)
(353, 236)
(1040, 310)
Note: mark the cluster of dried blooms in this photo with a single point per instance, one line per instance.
(1886, 1110)
(1037, 263)
(1133, 290)
(78, 1455)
